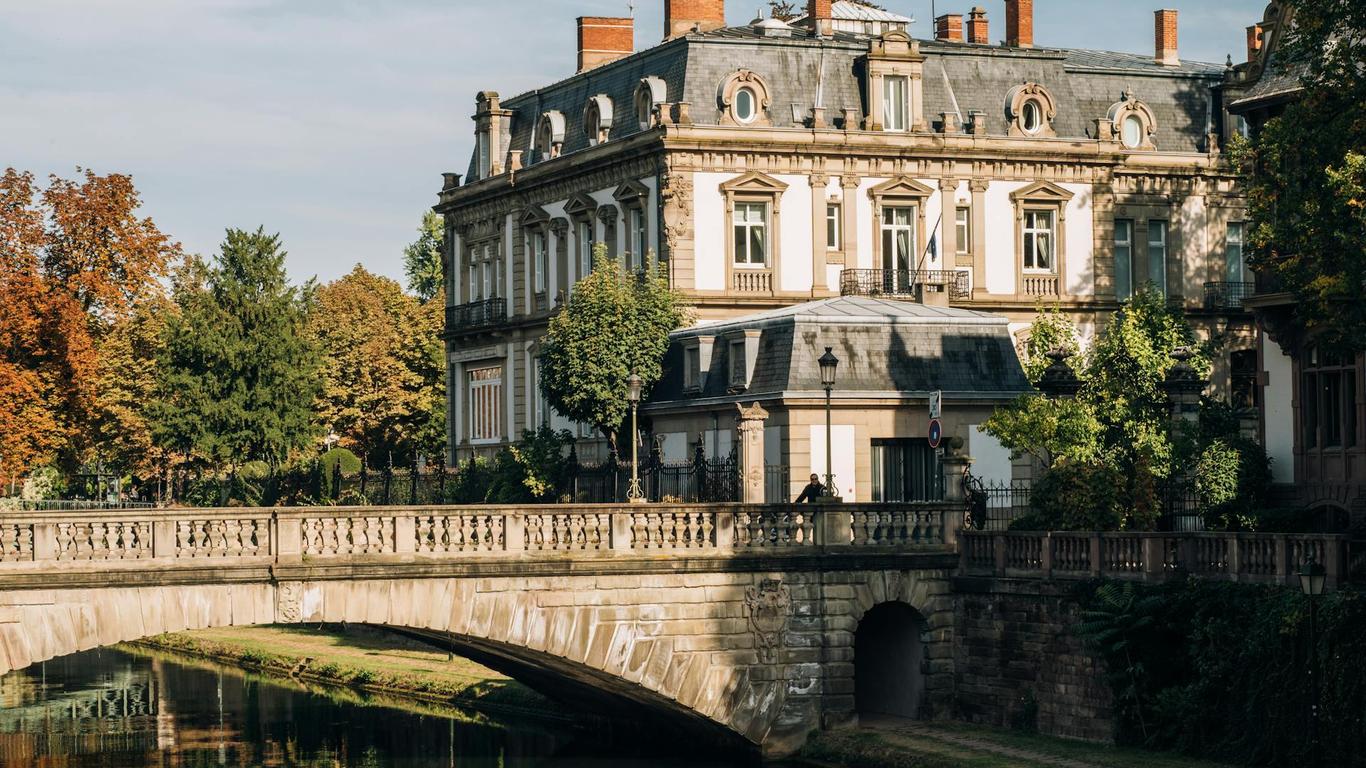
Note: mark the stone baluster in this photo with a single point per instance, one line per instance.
(44, 542)
(514, 533)
(621, 531)
(405, 534)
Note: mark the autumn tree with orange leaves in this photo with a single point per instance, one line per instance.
(77, 263)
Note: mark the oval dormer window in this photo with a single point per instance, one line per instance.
(1031, 117)
(746, 105)
(1132, 131)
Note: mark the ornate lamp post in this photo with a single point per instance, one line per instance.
(829, 363)
(634, 493)
(1312, 579)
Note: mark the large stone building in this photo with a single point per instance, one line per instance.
(1312, 401)
(776, 163)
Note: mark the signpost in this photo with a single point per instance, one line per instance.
(936, 411)
(936, 433)
(936, 404)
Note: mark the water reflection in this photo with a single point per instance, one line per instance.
(117, 710)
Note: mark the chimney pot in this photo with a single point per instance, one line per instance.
(1165, 37)
(684, 16)
(604, 39)
(949, 28)
(977, 26)
(1020, 23)
(1254, 41)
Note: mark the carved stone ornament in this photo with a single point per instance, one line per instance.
(288, 602)
(769, 605)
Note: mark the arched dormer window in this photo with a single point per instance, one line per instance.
(744, 99)
(549, 136)
(1132, 122)
(597, 120)
(1030, 109)
(650, 94)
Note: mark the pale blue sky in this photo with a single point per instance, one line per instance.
(330, 121)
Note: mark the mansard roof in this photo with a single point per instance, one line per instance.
(975, 77)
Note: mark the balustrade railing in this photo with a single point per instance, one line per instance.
(476, 314)
(904, 282)
(1228, 296)
(323, 533)
(752, 281)
(1254, 557)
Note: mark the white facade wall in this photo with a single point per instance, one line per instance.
(1080, 277)
(842, 462)
(795, 248)
(999, 239)
(709, 231)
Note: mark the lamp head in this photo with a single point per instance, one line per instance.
(633, 386)
(829, 363)
(1312, 578)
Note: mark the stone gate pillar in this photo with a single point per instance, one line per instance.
(954, 465)
(750, 424)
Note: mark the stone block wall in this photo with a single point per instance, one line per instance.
(1019, 663)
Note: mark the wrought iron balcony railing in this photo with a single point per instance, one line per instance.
(1228, 296)
(476, 314)
(899, 283)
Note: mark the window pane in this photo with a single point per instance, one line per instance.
(832, 227)
(1309, 410)
(757, 247)
(1124, 259)
(1349, 416)
(963, 229)
(1157, 254)
(1233, 254)
(1332, 415)
(741, 244)
(1133, 131)
(894, 103)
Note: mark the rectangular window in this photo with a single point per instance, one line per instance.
(1157, 255)
(1233, 254)
(639, 241)
(1039, 242)
(483, 155)
(905, 470)
(692, 375)
(586, 234)
(1124, 258)
(472, 282)
(540, 411)
(1330, 408)
(488, 278)
(832, 227)
(486, 404)
(894, 103)
(962, 229)
(751, 234)
(898, 247)
(737, 364)
(540, 261)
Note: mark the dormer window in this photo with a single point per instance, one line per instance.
(746, 106)
(892, 84)
(650, 94)
(894, 103)
(550, 136)
(692, 364)
(1133, 123)
(1030, 109)
(744, 99)
(597, 120)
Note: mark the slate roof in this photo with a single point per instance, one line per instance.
(1084, 84)
(886, 348)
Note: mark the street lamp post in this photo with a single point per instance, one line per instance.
(829, 363)
(1312, 578)
(634, 493)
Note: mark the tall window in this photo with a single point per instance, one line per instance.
(540, 411)
(962, 228)
(751, 234)
(1157, 255)
(737, 363)
(905, 470)
(832, 227)
(585, 248)
(484, 154)
(898, 239)
(1039, 241)
(1328, 398)
(639, 243)
(692, 374)
(540, 261)
(894, 103)
(486, 401)
(1124, 258)
(472, 280)
(1234, 258)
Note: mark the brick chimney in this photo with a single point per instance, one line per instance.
(604, 39)
(977, 26)
(683, 16)
(820, 17)
(949, 28)
(1254, 41)
(1020, 23)
(1165, 34)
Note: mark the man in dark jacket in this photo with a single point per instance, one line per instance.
(813, 491)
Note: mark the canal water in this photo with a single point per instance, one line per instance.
(114, 709)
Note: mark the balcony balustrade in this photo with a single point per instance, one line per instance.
(1228, 296)
(900, 283)
(476, 314)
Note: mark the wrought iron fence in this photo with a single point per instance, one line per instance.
(994, 506)
(61, 505)
(1356, 561)
(476, 314)
(898, 282)
(1228, 296)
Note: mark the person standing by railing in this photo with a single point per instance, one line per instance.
(813, 491)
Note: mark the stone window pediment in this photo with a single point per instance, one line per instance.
(744, 99)
(1030, 108)
(1132, 123)
(534, 217)
(632, 193)
(755, 182)
(902, 186)
(597, 119)
(581, 206)
(1042, 192)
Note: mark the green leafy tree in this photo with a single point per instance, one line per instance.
(239, 370)
(1307, 192)
(422, 258)
(616, 322)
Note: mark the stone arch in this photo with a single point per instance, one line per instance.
(625, 652)
(891, 661)
(1329, 517)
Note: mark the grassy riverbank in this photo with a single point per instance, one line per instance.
(955, 745)
(362, 658)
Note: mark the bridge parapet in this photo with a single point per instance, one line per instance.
(1149, 556)
(288, 534)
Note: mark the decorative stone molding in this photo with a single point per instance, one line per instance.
(289, 602)
(894, 54)
(597, 119)
(1132, 123)
(769, 605)
(549, 136)
(902, 190)
(1049, 197)
(750, 188)
(651, 94)
(1030, 108)
(731, 86)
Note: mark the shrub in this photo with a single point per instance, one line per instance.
(1079, 497)
(42, 484)
(348, 461)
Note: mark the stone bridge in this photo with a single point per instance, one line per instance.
(750, 623)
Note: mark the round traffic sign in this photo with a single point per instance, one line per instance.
(936, 433)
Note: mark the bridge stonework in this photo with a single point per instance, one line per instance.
(741, 620)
